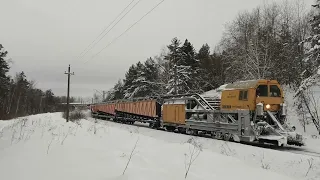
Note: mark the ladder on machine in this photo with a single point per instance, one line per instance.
(211, 104)
(205, 104)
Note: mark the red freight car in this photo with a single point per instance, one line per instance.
(143, 110)
(104, 108)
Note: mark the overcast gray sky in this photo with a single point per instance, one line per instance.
(44, 36)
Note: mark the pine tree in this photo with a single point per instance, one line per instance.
(139, 84)
(204, 55)
(174, 55)
(179, 70)
(206, 68)
(4, 81)
(152, 75)
(130, 76)
(117, 92)
(189, 61)
(134, 83)
(219, 74)
(188, 55)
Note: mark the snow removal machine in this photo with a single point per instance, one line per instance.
(245, 111)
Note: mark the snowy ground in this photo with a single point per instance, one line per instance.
(45, 147)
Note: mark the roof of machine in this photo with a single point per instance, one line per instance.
(247, 84)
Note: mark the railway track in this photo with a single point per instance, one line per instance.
(301, 151)
(291, 149)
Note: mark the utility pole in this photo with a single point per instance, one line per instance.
(68, 94)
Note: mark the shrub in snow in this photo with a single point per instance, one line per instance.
(194, 150)
(226, 150)
(264, 164)
(310, 165)
(75, 115)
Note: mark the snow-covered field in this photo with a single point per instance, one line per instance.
(46, 147)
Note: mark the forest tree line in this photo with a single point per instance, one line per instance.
(19, 96)
(280, 41)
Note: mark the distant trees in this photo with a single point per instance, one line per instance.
(264, 43)
(19, 96)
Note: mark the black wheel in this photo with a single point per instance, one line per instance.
(182, 130)
(194, 132)
(227, 137)
(170, 128)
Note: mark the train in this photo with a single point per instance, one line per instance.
(251, 111)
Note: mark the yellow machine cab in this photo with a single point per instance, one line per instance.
(248, 94)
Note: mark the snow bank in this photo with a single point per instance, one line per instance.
(45, 147)
(293, 118)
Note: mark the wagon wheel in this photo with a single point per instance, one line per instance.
(170, 128)
(195, 133)
(227, 137)
(182, 130)
(214, 135)
(218, 135)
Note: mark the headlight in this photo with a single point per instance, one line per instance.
(268, 106)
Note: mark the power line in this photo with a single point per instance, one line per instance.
(128, 29)
(107, 27)
(112, 26)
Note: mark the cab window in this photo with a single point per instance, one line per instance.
(274, 91)
(262, 91)
(243, 95)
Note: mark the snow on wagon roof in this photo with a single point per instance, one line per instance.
(235, 85)
(216, 93)
(242, 84)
